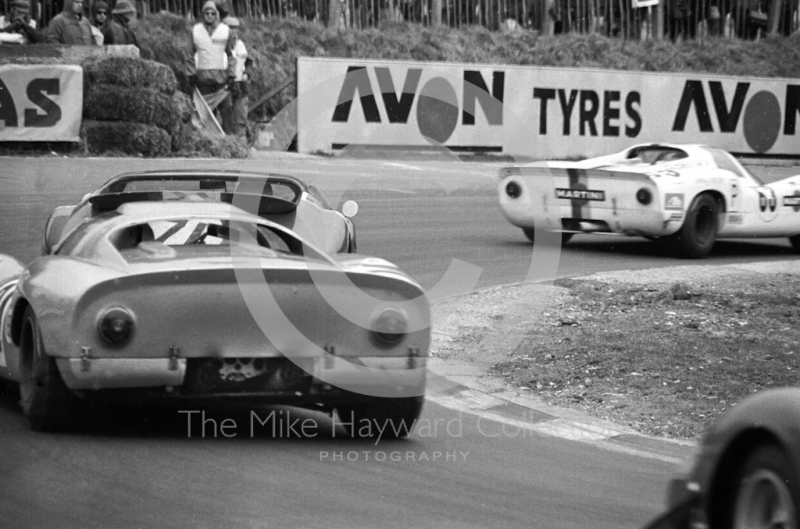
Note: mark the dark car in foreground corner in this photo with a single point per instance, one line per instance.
(286, 200)
(118, 313)
(747, 472)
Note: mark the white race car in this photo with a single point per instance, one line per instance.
(684, 195)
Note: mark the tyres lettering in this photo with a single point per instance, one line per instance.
(596, 114)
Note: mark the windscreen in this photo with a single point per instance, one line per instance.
(172, 238)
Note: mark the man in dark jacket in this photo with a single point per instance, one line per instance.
(18, 21)
(70, 26)
(118, 30)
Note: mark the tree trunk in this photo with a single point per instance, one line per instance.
(775, 10)
(333, 13)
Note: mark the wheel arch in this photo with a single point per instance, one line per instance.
(717, 195)
(721, 485)
(16, 320)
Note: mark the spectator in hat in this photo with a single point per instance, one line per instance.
(118, 30)
(241, 80)
(70, 26)
(99, 21)
(211, 64)
(18, 22)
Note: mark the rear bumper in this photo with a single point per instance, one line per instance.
(646, 222)
(104, 373)
(209, 376)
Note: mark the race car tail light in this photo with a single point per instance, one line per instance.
(389, 325)
(513, 189)
(116, 326)
(644, 196)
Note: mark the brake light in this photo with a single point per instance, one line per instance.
(115, 326)
(644, 196)
(389, 325)
(513, 189)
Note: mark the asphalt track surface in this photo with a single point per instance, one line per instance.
(163, 468)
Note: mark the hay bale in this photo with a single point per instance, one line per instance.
(108, 102)
(124, 137)
(185, 106)
(179, 137)
(129, 72)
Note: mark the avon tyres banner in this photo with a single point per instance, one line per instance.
(536, 111)
(40, 102)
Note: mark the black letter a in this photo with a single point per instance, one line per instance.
(356, 79)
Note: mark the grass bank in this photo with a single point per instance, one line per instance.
(275, 43)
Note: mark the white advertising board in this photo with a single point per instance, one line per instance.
(537, 111)
(40, 102)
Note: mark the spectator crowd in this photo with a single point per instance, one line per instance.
(217, 63)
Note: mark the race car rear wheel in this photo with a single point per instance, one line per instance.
(46, 401)
(699, 231)
(386, 418)
(795, 242)
(767, 492)
(530, 234)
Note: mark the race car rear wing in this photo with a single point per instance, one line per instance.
(267, 205)
(278, 194)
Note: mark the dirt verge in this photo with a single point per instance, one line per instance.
(663, 351)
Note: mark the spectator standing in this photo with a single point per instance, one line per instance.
(18, 21)
(99, 21)
(715, 19)
(118, 30)
(212, 46)
(70, 26)
(240, 93)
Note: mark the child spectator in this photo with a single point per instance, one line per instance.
(99, 21)
(241, 80)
